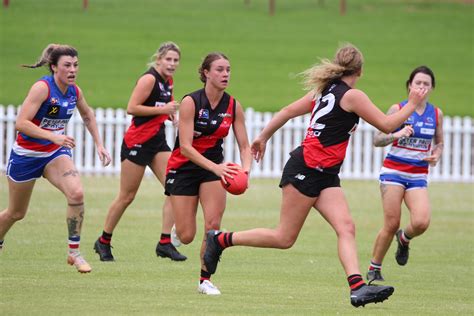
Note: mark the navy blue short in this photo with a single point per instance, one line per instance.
(187, 182)
(23, 168)
(143, 154)
(307, 181)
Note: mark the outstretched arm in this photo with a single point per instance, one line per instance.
(297, 108)
(381, 139)
(358, 102)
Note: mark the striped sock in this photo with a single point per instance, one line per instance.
(404, 238)
(204, 276)
(106, 238)
(165, 239)
(224, 239)
(74, 242)
(355, 281)
(375, 266)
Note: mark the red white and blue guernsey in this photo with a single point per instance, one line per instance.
(404, 164)
(30, 155)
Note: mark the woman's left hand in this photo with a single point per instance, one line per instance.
(432, 160)
(104, 155)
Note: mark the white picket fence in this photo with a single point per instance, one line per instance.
(363, 160)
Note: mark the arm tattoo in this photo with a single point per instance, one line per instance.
(86, 121)
(73, 173)
(382, 140)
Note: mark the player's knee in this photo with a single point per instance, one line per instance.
(75, 196)
(421, 225)
(286, 243)
(346, 229)
(186, 237)
(391, 226)
(212, 224)
(17, 215)
(128, 198)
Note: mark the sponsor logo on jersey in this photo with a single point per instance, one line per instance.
(53, 124)
(203, 114)
(70, 111)
(213, 122)
(224, 115)
(65, 104)
(414, 143)
(204, 123)
(427, 131)
(157, 103)
(419, 124)
(53, 111)
(54, 101)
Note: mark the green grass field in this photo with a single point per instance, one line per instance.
(115, 38)
(304, 280)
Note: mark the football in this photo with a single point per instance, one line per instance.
(238, 184)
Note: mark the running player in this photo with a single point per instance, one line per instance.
(144, 144)
(310, 177)
(42, 148)
(405, 171)
(196, 165)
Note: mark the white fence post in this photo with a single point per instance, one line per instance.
(363, 160)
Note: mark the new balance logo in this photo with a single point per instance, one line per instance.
(300, 176)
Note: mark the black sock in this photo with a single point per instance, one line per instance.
(106, 238)
(204, 276)
(355, 281)
(165, 239)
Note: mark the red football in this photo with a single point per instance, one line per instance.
(238, 184)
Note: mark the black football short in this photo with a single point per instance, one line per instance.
(187, 182)
(308, 181)
(143, 154)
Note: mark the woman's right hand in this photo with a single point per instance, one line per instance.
(226, 169)
(416, 96)
(170, 108)
(258, 148)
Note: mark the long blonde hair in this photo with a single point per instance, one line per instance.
(51, 54)
(161, 52)
(347, 61)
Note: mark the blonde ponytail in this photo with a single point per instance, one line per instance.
(347, 61)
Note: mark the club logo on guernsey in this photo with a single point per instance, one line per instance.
(54, 101)
(203, 114)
